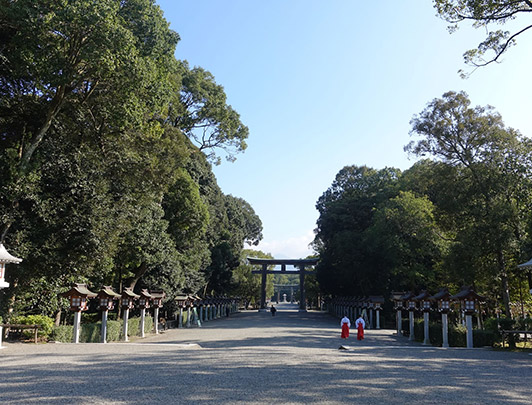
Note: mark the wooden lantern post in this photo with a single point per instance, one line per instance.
(128, 302)
(443, 298)
(468, 299)
(144, 303)
(190, 304)
(181, 301)
(106, 298)
(78, 295)
(411, 307)
(424, 305)
(377, 301)
(157, 302)
(397, 297)
(5, 257)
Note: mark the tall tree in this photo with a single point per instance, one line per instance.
(200, 110)
(346, 212)
(493, 163)
(483, 14)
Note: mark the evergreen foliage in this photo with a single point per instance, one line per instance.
(459, 217)
(103, 177)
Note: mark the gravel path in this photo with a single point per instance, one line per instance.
(254, 358)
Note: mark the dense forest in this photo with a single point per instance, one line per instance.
(459, 216)
(106, 146)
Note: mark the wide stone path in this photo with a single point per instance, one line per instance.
(254, 358)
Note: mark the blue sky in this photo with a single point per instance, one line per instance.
(322, 84)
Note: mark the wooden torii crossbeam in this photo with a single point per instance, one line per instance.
(298, 263)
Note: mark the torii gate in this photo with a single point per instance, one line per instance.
(301, 263)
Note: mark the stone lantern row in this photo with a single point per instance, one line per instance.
(467, 298)
(206, 309)
(353, 307)
(79, 296)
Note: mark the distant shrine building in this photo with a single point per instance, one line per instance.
(299, 264)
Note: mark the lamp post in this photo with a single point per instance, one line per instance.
(424, 305)
(196, 302)
(106, 298)
(5, 257)
(78, 296)
(411, 307)
(144, 303)
(468, 299)
(128, 302)
(397, 297)
(181, 301)
(377, 306)
(190, 304)
(443, 298)
(157, 302)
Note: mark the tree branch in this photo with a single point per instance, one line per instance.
(501, 51)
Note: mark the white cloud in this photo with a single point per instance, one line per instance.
(291, 248)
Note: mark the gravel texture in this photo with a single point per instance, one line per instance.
(254, 358)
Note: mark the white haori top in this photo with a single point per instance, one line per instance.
(345, 319)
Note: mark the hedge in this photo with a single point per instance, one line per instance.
(457, 335)
(91, 332)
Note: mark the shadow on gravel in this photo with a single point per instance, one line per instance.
(275, 376)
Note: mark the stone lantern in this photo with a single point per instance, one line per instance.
(468, 299)
(78, 295)
(411, 307)
(128, 302)
(106, 298)
(5, 257)
(397, 297)
(443, 298)
(424, 305)
(377, 302)
(157, 302)
(181, 301)
(144, 302)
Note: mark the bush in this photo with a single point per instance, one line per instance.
(114, 329)
(90, 332)
(457, 336)
(484, 338)
(133, 326)
(491, 324)
(63, 333)
(45, 323)
(507, 323)
(524, 324)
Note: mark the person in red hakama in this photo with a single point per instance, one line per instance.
(360, 325)
(345, 324)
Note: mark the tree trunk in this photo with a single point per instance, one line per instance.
(504, 284)
(54, 108)
(57, 321)
(138, 273)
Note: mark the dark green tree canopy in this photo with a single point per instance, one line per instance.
(102, 177)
